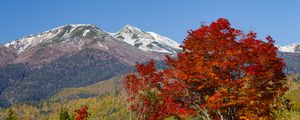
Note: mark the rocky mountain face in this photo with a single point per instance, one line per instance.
(292, 61)
(6, 55)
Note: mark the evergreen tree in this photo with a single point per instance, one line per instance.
(64, 115)
(11, 115)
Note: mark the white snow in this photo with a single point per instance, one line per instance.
(147, 41)
(288, 48)
(135, 36)
(24, 43)
(165, 40)
(85, 32)
(81, 25)
(103, 46)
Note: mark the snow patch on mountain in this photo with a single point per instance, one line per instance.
(62, 32)
(133, 36)
(294, 48)
(85, 32)
(165, 40)
(147, 41)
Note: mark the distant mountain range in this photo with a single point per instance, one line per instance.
(38, 66)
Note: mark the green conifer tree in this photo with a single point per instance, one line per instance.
(64, 115)
(11, 115)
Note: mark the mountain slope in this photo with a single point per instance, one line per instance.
(62, 34)
(147, 41)
(77, 55)
(81, 69)
(292, 61)
(6, 55)
(69, 39)
(100, 88)
(294, 48)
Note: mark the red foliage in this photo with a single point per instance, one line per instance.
(82, 113)
(220, 69)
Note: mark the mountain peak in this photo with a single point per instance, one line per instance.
(295, 48)
(74, 26)
(61, 34)
(82, 25)
(130, 29)
(128, 26)
(146, 41)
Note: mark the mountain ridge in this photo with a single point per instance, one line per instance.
(65, 33)
(147, 41)
(292, 48)
(144, 40)
(38, 66)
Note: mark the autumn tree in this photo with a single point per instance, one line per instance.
(221, 73)
(82, 113)
(152, 96)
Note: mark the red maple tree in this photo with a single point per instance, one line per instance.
(82, 113)
(220, 73)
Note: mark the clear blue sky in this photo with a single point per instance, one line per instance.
(172, 18)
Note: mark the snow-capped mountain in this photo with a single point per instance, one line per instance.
(72, 56)
(147, 41)
(47, 46)
(294, 48)
(62, 34)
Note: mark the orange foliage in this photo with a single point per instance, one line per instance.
(82, 113)
(220, 69)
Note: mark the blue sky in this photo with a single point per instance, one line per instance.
(172, 18)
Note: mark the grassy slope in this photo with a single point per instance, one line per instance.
(98, 89)
(109, 107)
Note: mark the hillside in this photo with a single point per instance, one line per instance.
(98, 89)
(107, 103)
(105, 99)
(292, 61)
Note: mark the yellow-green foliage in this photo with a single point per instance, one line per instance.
(109, 104)
(11, 115)
(294, 82)
(24, 112)
(294, 91)
(108, 107)
(97, 89)
(287, 115)
(294, 95)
